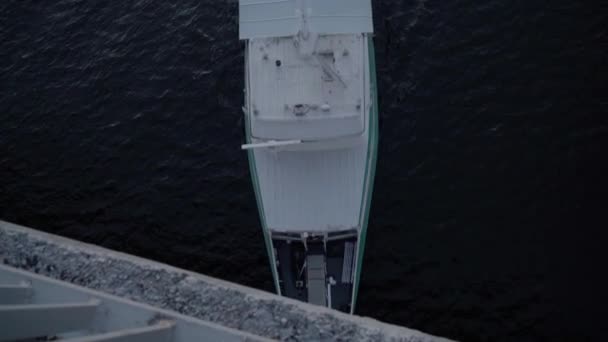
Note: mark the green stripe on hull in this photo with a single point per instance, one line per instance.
(370, 169)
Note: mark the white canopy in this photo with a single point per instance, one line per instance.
(280, 18)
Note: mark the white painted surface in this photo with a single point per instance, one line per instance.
(314, 190)
(311, 191)
(281, 18)
(308, 97)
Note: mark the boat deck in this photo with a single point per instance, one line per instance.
(309, 123)
(306, 89)
(291, 257)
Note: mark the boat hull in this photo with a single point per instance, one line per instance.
(314, 199)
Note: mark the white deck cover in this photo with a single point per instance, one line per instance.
(275, 90)
(281, 18)
(315, 191)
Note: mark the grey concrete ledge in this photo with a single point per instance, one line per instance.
(228, 304)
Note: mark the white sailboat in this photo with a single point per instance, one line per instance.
(311, 117)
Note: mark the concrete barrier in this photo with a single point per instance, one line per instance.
(228, 304)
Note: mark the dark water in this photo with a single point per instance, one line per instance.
(121, 126)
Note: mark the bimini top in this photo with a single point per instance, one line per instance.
(282, 18)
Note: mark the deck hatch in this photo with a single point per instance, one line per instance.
(316, 279)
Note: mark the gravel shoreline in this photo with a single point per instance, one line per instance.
(188, 293)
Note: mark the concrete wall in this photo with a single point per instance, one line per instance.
(189, 293)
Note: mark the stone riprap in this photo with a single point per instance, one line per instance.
(189, 293)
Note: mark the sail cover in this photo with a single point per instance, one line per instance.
(280, 18)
